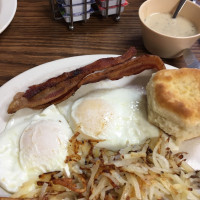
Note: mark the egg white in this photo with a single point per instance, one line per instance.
(118, 117)
(32, 143)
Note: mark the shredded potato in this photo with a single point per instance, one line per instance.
(149, 171)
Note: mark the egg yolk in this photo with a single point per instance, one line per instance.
(43, 146)
(93, 116)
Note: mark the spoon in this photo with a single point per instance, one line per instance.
(180, 5)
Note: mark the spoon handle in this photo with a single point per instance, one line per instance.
(180, 5)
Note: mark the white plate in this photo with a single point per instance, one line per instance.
(7, 12)
(43, 72)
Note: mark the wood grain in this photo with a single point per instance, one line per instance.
(34, 38)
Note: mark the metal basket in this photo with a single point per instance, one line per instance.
(56, 11)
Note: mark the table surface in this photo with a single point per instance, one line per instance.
(34, 37)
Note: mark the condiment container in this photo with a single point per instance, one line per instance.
(78, 10)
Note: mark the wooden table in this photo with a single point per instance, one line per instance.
(34, 38)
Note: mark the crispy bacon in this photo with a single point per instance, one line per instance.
(98, 65)
(134, 66)
(131, 67)
(57, 89)
(33, 96)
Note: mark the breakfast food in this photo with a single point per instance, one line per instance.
(33, 142)
(114, 117)
(59, 88)
(41, 138)
(148, 171)
(69, 79)
(97, 144)
(174, 102)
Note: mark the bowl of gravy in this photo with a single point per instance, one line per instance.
(165, 36)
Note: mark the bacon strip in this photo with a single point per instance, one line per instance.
(134, 66)
(98, 65)
(64, 89)
(131, 67)
(45, 92)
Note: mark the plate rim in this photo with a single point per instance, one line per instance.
(14, 3)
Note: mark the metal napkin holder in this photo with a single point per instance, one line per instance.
(55, 11)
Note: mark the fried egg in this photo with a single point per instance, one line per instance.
(33, 142)
(117, 117)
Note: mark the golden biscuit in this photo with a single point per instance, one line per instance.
(174, 102)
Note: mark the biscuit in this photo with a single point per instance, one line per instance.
(173, 98)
